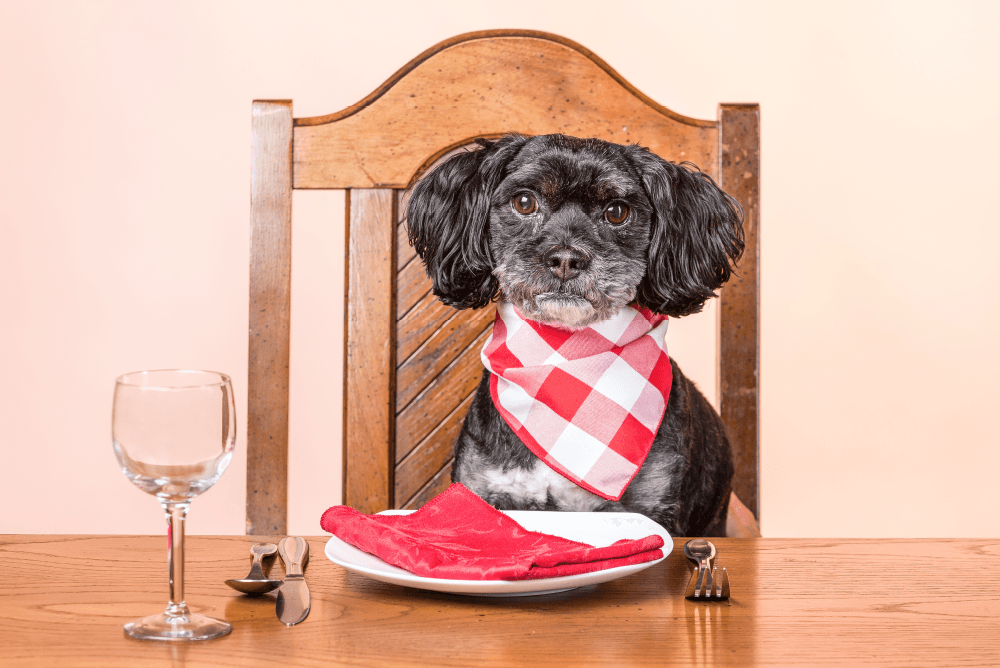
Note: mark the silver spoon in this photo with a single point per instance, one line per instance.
(255, 583)
(701, 552)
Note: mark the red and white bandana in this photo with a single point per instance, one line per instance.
(587, 402)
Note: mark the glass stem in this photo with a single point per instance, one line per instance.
(176, 515)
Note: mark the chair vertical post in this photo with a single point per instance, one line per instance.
(739, 336)
(270, 313)
(370, 349)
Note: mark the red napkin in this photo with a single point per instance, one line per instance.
(457, 535)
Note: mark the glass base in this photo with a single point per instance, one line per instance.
(187, 626)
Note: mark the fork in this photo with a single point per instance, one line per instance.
(706, 575)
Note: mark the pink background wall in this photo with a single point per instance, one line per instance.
(124, 183)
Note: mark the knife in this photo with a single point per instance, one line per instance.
(293, 596)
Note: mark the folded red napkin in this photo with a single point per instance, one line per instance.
(457, 535)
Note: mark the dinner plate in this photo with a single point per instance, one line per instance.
(597, 529)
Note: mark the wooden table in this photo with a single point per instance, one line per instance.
(795, 602)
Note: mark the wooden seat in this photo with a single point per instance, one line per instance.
(411, 363)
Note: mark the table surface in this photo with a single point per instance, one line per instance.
(795, 602)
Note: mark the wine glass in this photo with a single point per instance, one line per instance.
(173, 432)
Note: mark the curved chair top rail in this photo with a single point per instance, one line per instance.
(486, 84)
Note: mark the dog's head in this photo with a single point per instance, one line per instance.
(570, 230)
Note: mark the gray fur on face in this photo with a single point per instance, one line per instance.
(570, 216)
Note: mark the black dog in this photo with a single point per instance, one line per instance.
(569, 231)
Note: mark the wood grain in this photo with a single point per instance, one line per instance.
(448, 339)
(433, 487)
(739, 303)
(440, 397)
(428, 456)
(270, 314)
(369, 366)
(419, 323)
(404, 251)
(488, 84)
(796, 602)
(412, 285)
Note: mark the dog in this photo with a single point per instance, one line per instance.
(570, 232)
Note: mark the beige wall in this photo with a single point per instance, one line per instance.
(124, 201)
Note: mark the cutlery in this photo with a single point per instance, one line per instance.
(293, 596)
(255, 583)
(703, 553)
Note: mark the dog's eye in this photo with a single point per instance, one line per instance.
(524, 203)
(617, 213)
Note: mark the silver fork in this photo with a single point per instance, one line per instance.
(706, 575)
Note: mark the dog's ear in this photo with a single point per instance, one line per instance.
(695, 240)
(448, 220)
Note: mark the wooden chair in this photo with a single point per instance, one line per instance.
(411, 363)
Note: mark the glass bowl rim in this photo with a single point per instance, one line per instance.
(126, 379)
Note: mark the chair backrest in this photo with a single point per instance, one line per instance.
(411, 364)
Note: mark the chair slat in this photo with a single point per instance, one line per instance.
(739, 336)
(404, 251)
(434, 486)
(412, 285)
(438, 351)
(270, 312)
(440, 397)
(419, 324)
(427, 458)
(369, 360)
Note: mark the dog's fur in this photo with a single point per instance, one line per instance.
(568, 264)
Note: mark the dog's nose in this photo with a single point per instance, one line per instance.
(565, 262)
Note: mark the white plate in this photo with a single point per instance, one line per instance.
(597, 529)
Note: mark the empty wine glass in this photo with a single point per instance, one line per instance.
(173, 432)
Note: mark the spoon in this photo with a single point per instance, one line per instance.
(255, 583)
(701, 552)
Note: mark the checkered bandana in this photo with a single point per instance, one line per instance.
(587, 402)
